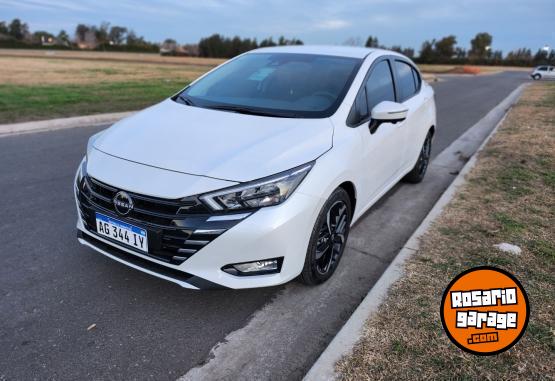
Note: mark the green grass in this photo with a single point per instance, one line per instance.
(24, 103)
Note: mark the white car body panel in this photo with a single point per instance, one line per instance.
(148, 180)
(172, 151)
(213, 143)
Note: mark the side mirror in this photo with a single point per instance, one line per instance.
(387, 112)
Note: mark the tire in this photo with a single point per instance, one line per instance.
(324, 249)
(536, 77)
(418, 172)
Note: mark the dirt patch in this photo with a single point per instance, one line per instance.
(466, 69)
(509, 197)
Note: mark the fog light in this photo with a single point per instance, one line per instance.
(265, 266)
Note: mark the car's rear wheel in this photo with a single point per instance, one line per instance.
(417, 173)
(328, 239)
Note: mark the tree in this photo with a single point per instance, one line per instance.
(480, 46)
(427, 52)
(63, 38)
(18, 30)
(372, 42)
(283, 41)
(101, 33)
(519, 57)
(117, 35)
(460, 53)
(541, 57)
(445, 48)
(3, 28)
(223, 47)
(267, 42)
(409, 52)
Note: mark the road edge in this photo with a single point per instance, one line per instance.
(343, 343)
(62, 123)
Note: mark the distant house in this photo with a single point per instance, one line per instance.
(48, 41)
(88, 42)
(171, 48)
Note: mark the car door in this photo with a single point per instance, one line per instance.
(551, 72)
(413, 129)
(380, 160)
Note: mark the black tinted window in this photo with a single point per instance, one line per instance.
(359, 112)
(542, 68)
(417, 79)
(379, 86)
(284, 84)
(407, 87)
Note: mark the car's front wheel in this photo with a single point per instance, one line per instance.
(328, 239)
(536, 77)
(416, 175)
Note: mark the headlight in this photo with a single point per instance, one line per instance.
(82, 169)
(92, 139)
(269, 191)
(90, 142)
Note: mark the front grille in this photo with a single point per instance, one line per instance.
(177, 229)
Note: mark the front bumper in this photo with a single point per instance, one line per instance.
(282, 231)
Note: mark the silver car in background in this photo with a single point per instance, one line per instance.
(543, 72)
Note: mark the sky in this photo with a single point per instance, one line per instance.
(513, 24)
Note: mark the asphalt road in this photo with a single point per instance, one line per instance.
(52, 289)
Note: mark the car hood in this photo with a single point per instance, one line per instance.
(218, 144)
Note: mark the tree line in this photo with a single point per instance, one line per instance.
(446, 51)
(225, 47)
(16, 34)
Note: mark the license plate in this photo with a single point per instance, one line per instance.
(125, 233)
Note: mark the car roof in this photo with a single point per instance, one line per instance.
(329, 50)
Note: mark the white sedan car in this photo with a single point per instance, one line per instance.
(253, 174)
(543, 72)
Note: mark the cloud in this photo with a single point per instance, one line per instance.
(333, 24)
(45, 5)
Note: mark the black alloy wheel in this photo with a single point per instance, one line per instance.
(417, 173)
(328, 239)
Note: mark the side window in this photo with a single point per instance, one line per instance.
(379, 86)
(417, 79)
(405, 77)
(359, 111)
(542, 68)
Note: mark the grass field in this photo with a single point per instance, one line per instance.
(509, 197)
(39, 84)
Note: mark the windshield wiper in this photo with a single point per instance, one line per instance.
(249, 111)
(185, 99)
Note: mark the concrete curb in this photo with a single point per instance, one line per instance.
(349, 335)
(63, 123)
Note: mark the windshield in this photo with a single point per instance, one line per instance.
(276, 84)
